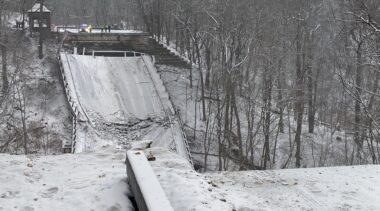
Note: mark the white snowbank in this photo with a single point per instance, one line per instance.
(334, 188)
(86, 181)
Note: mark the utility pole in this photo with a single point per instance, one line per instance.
(40, 46)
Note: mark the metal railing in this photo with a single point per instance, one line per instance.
(181, 125)
(184, 137)
(74, 109)
(125, 53)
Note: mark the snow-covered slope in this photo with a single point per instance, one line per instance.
(86, 181)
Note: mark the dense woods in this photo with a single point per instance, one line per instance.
(266, 69)
(281, 83)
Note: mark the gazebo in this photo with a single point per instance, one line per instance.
(34, 17)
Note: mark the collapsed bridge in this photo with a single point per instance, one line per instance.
(123, 89)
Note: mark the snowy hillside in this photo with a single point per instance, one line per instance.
(36, 96)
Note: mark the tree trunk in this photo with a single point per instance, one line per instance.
(238, 128)
(4, 74)
(226, 130)
(310, 84)
(267, 98)
(201, 78)
(208, 64)
(299, 105)
(280, 103)
(358, 92)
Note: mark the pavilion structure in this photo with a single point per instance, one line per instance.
(35, 16)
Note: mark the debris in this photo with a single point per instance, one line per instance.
(151, 156)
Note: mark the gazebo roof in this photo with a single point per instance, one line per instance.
(36, 8)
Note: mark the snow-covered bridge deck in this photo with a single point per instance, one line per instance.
(114, 89)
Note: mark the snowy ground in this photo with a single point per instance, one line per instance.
(334, 188)
(86, 181)
(185, 188)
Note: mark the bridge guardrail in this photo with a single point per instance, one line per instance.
(74, 110)
(148, 193)
(184, 137)
(134, 53)
(68, 147)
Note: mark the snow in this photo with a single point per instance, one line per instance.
(86, 181)
(149, 186)
(37, 8)
(185, 188)
(332, 188)
(119, 84)
(10, 19)
(45, 105)
(97, 180)
(123, 91)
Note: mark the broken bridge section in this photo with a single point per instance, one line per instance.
(121, 91)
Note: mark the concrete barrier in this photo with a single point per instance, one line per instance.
(149, 195)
